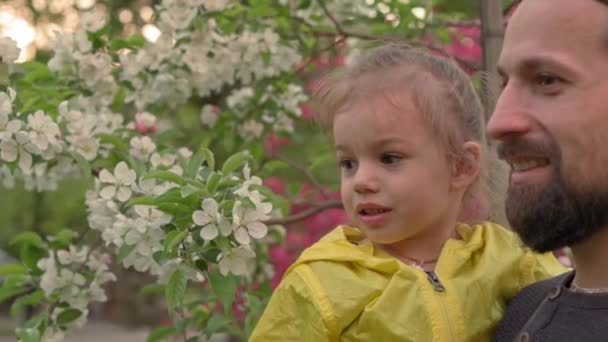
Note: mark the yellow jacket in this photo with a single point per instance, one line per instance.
(342, 288)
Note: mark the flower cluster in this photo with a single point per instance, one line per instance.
(73, 277)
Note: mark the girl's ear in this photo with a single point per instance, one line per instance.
(466, 168)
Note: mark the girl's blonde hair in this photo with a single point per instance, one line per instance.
(441, 91)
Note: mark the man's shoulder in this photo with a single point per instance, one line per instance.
(524, 304)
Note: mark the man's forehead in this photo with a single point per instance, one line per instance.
(554, 32)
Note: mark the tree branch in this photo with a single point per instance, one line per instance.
(306, 173)
(346, 33)
(306, 213)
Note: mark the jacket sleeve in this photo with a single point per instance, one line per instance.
(536, 267)
(292, 314)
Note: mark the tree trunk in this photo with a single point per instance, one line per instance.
(492, 33)
(492, 30)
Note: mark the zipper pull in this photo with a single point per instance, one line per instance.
(434, 280)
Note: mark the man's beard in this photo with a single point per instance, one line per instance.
(559, 213)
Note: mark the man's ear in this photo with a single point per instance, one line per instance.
(465, 168)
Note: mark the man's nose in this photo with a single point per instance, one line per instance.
(510, 116)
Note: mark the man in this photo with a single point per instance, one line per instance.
(551, 122)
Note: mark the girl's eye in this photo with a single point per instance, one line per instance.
(347, 164)
(390, 158)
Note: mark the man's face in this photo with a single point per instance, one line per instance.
(552, 120)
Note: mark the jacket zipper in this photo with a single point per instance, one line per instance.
(440, 291)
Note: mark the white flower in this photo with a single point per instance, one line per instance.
(119, 183)
(235, 260)
(239, 97)
(73, 255)
(209, 115)
(140, 263)
(147, 240)
(249, 221)
(8, 128)
(44, 130)
(166, 160)
(142, 147)
(178, 14)
(94, 68)
(6, 102)
(9, 51)
(250, 130)
(211, 220)
(184, 152)
(215, 5)
(115, 231)
(19, 148)
(92, 21)
(87, 146)
(150, 217)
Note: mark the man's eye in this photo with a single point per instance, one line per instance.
(389, 158)
(547, 80)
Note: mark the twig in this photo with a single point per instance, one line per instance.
(306, 213)
(510, 7)
(306, 173)
(346, 33)
(331, 16)
(451, 23)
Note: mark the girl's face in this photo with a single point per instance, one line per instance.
(396, 180)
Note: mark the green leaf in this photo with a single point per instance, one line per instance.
(273, 165)
(161, 333)
(63, 238)
(118, 143)
(13, 268)
(144, 200)
(209, 158)
(85, 165)
(30, 254)
(195, 162)
(30, 238)
(166, 176)
(212, 183)
(124, 251)
(152, 289)
(32, 299)
(201, 265)
(234, 162)
(9, 292)
(224, 288)
(68, 315)
(173, 238)
(216, 323)
(37, 320)
(28, 335)
(175, 290)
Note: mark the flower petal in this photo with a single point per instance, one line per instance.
(124, 193)
(108, 192)
(210, 206)
(242, 236)
(209, 232)
(200, 218)
(257, 229)
(106, 177)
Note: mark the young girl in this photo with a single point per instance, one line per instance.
(409, 136)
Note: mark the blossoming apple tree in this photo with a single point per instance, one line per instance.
(183, 202)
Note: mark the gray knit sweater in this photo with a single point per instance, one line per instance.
(549, 312)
